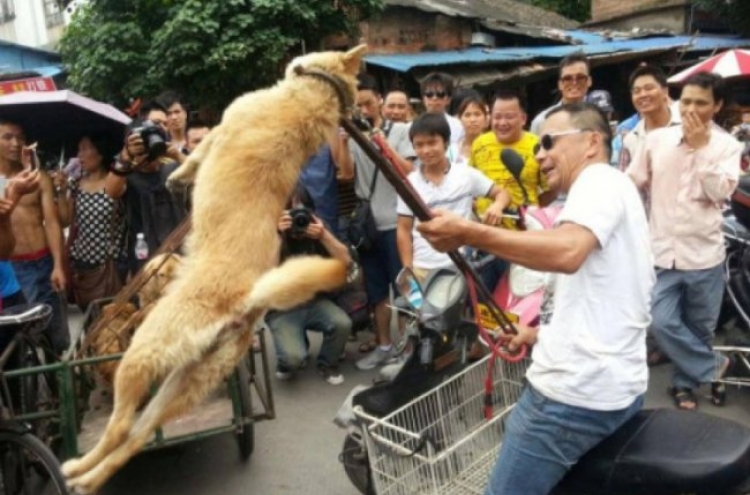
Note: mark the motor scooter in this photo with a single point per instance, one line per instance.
(657, 452)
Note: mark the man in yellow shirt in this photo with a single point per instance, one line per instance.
(508, 119)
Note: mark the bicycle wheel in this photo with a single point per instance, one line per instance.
(27, 466)
(38, 390)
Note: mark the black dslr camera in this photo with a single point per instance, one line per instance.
(154, 139)
(301, 218)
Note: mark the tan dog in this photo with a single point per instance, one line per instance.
(202, 327)
(124, 319)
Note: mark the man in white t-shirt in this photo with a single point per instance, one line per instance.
(588, 373)
(440, 185)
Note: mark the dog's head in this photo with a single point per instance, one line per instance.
(158, 272)
(343, 65)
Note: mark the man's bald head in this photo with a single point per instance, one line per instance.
(588, 116)
(396, 106)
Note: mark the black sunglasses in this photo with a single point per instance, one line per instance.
(547, 141)
(435, 94)
(577, 78)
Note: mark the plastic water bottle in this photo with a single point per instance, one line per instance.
(141, 247)
(415, 294)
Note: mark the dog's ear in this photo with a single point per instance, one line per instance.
(353, 59)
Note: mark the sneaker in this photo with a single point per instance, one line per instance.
(283, 373)
(376, 358)
(389, 371)
(331, 374)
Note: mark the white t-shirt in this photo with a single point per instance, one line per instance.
(456, 193)
(591, 351)
(457, 128)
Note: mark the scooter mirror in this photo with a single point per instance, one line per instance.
(514, 163)
(409, 287)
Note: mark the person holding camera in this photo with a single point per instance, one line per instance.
(139, 174)
(303, 233)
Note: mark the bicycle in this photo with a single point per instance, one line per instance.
(27, 465)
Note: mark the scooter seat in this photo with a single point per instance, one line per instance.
(665, 452)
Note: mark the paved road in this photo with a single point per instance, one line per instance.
(297, 452)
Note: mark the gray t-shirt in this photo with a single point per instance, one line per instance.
(383, 201)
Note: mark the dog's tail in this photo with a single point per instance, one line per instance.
(294, 282)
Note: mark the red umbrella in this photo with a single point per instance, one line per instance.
(732, 63)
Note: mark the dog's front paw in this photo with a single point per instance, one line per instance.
(177, 183)
(70, 468)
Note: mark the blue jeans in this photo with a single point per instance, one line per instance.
(34, 278)
(543, 439)
(288, 331)
(685, 311)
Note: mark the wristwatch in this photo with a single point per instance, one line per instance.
(120, 167)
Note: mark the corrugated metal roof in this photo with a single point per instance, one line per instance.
(508, 11)
(481, 56)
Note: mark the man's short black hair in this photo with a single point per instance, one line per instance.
(707, 80)
(5, 121)
(365, 82)
(574, 58)
(431, 124)
(587, 116)
(196, 123)
(509, 94)
(441, 79)
(149, 107)
(170, 97)
(648, 70)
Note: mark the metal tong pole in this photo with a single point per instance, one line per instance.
(406, 192)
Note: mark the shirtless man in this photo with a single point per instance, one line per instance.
(38, 254)
(24, 183)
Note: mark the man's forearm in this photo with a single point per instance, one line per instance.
(405, 246)
(546, 250)
(335, 248)
(114, 185)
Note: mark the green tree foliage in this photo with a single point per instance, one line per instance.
(579, 10)
(211, 50)
(737, 12)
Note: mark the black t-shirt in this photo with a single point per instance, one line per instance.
(152, 209)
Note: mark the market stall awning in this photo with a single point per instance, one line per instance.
(405, 62)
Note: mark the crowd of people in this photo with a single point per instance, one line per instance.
(637, 247)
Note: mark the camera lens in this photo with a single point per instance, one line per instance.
(156, 146)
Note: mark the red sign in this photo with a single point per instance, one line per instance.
(33, 84)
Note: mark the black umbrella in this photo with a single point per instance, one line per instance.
(58, 119)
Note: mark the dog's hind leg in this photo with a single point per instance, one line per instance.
(182, 390)
(132, 384)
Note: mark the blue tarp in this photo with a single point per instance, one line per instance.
(596, 47)
(15, 58)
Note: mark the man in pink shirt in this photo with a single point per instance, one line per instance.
(689, 170)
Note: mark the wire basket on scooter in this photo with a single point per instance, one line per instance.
(441, 443)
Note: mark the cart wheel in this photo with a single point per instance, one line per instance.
(245, 438)
(356, 464)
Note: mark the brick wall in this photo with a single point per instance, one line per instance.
(606, 9)
(400, 30)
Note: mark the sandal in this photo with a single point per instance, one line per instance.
(683, 398)
(368, 346)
